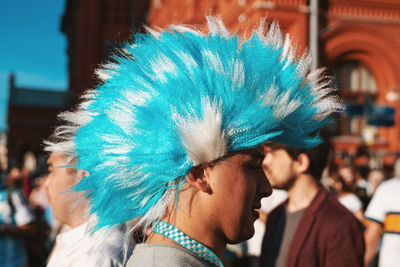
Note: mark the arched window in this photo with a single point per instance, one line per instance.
(357, 86)
(354, 77)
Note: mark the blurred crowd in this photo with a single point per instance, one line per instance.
(29, 229)
(354, 186)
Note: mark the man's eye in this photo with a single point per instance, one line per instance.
(259, 162)
(256, 163)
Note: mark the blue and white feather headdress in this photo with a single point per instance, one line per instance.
(179, 98)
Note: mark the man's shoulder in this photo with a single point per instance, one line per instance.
(327, 211)
(392, 181)
(111, 244)
(391, 185)
(154, 255)
(331, 212)
(327, 206)
(79, 247)
(276, 211)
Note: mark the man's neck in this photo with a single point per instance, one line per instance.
(302, 192)
(206, 236)
(190, 222)
(77, 217)
(195, 231)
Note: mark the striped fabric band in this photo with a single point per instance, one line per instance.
(187, 242)
(392, 223)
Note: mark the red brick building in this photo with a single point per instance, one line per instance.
(357, 40)
(32, 115)
(94, 29)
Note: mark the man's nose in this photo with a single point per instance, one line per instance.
(265, 186)
(265, 164)
(266, 160)
(46, 182)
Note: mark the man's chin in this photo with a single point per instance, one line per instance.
(245, 236)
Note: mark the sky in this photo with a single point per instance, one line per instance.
(32, 47)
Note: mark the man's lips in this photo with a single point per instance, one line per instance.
(267, 172)
(256, 214)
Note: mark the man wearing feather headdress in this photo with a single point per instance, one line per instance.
(172, 138)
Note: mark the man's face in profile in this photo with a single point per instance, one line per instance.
(278, 166)
(58, 183)
(238, 183)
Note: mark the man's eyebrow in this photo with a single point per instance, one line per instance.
(257, 152)
(259, 155)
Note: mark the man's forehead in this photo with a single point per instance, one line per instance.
(273, 146)
(254, 152)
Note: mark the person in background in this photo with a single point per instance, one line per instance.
(346, 197)
(26, 182)
(383, 216)
(348, 174)
(375, 178)
(39, 201)
(311, 228)
(16, 221)
(353, 182)
(73, 247)
(40, 245)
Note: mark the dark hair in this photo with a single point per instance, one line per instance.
(13, 163)
(345, 187)
(346, 165)
(318, 156)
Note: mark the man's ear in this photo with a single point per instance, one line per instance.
(198, 178)
(303, 163)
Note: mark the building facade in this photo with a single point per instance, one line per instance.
(94, 30)
(358, 41)
(32, 116)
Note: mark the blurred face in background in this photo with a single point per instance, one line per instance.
(279, 168)
(14, 177)
(348, 175)
(58, 184)
(15, 173)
